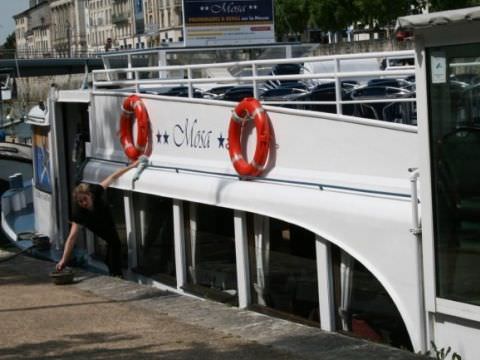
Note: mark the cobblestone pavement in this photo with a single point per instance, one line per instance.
(100, 317)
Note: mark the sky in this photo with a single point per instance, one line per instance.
(8, 8)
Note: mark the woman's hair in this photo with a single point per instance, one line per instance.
(81, 189)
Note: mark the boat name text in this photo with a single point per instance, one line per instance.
(188, 134)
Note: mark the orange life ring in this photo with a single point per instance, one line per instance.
(133, 107)
(249, 109)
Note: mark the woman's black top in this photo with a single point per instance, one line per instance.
(99, 220)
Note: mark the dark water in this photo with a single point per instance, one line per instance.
(10, 167)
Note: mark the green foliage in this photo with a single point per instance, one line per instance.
(331, 14)
(295, 16)
(290, 17)
(441, 354)
(7, 50)
(382, 12)
(10, 43)
(439, 5)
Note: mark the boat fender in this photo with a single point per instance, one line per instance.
(133, 108)
(249, 109)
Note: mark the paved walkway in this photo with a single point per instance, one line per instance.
(101, 317)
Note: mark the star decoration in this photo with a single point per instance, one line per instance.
(159, 137)
(221, 140)
(165, 137)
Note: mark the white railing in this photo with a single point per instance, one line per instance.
(334, 69)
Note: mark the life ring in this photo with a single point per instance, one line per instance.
(133, 107)
(249, 109)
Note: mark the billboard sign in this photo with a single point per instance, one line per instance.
(214, 22)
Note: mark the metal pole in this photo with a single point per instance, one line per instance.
(69, 40)
(1, 108)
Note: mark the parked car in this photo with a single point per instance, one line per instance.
(284, 69)
(400, 112)
(326, 92)
(283, 93)
(389, 82)
(237, 93)
(217, 91)
(179, 91)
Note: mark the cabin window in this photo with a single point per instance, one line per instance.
(210, 249)
(363, 306)
(154, 233)
(114, 199)
(283, 269)
(454, 108)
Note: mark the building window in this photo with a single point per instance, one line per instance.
(210, 249)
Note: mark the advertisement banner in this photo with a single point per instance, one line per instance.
(213, 22)
(41, 159)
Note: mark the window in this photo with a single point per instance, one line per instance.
(454, 107)
(210, 249)
(155, 241)
(114, 199)
(283, 268)
(363, 305)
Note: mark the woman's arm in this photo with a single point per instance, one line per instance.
(108, 180)
(69, 245)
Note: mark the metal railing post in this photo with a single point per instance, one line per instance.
(129, 59)
(338, 88)
(254, 76)
(190, 85)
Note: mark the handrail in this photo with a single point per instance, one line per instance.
(187, 75)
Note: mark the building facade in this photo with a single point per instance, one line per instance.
(123, 21)
(32, 30)
(99, 26)
(163, 22)
(68, 27)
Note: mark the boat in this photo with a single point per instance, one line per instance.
(306, 205)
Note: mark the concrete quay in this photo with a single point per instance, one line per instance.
(100, 317)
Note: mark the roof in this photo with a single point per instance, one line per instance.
(414, 22)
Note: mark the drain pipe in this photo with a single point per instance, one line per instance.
(416, 230)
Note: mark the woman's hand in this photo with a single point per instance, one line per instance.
(133, 164)
(60, 265)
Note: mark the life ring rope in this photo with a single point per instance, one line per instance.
(126, 111)
(247, 110)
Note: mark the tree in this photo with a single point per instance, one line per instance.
(290, 17)
(439, 5)
(330, 15)
(382, 12)
(9, 46)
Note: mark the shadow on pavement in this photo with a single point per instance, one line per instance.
(108, 346)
